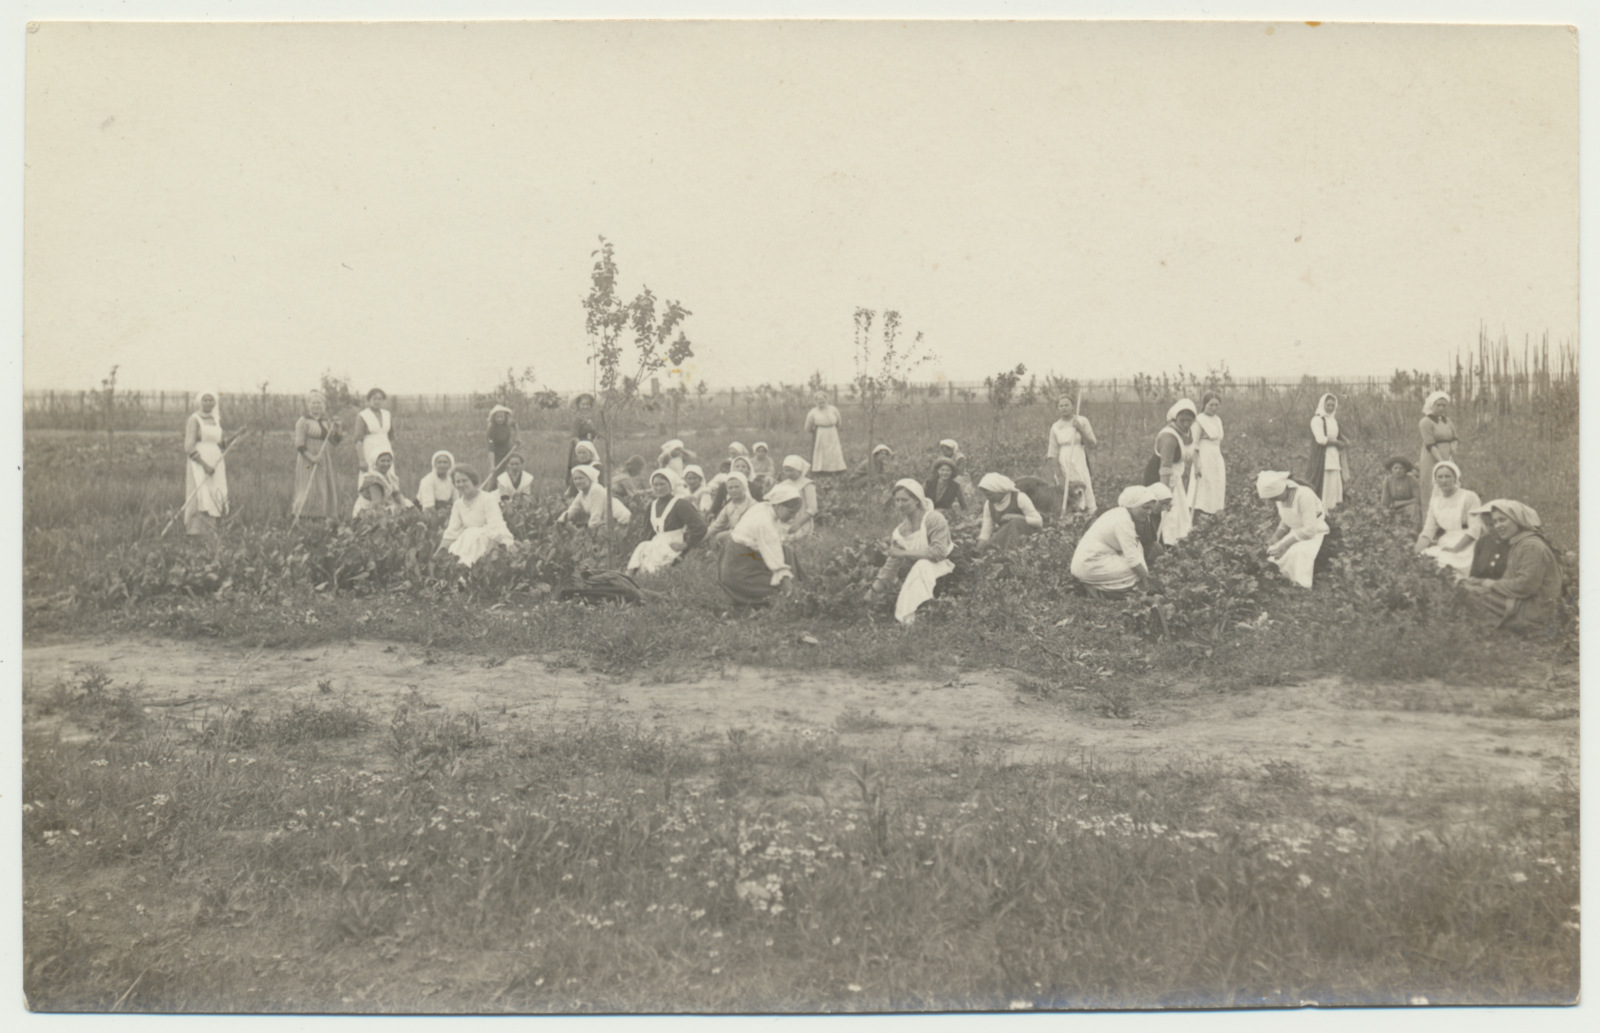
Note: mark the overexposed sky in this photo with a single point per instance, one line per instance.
(414, 205)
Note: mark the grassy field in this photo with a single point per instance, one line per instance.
(308, 851)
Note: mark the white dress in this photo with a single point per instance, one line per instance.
(917, 588)
(827, 455)
(1109, 552)
(507, 490)
(433, 490)
(1066, 448)
(476, 527)
(1178, 521)
(593, 504)
(657, 553)
(208, 495)
(1308, 526)
(1210, 477)
(376, 440)
(1452, 520)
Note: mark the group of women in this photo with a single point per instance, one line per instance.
(752, 511)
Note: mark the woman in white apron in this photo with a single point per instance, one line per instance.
(1452, 529)
(374, 430)
(822, 423)
(1070, 438)
(205, 480)
(676, 521)
(920, 542)
(1329, 470)
(1302, 525)
(1174, 453)
(1210, 476)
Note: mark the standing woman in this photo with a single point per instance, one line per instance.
(316, 497)
(822, 423)
(374, 432)
(1210, 472)
(794, 473)
(1328, 470)
(1438, 437)
(1451, 531)
(919, 551)
(1173, 455)
(502, 438)
(205, 479)
(582, 430)
(1070, 439)
(676, 521)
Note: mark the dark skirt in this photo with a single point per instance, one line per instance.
(745, 577)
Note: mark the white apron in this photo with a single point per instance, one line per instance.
(1210, 476)
(918, 585)
(376, 440)
(657, 554)
(211, 498)
(1299, 559)
(1178, 521)
(1074, 461)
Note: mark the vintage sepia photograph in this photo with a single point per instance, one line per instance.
(637, 517)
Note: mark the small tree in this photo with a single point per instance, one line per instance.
(336, 392)
(880, 367)
(512, 391)
(1002, 391)
(108, 402)
(607, 319)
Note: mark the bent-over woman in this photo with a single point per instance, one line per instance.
(919, 551)
(476, 525)
(1008, 514)
(1302, 533)
(1525, 597)
(1451, 530)
(316, 493)
(1328, 471)
(1109, 559)
(676, 522)
(822, 423)
(756, 561)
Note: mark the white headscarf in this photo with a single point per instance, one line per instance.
(1181, 405)
(588, 471)
(669, 447)
(499, 408)
(1433, 401)
(737, 449)
(1271, 483)
(733, 467)
(735, 476)
(694, 468)
(909, 485)
(1133, 496)
(797, 463)
(1158, 492)
(216, 405)
(1453, 466)
(435, 459)
(885, 449)
(586, 446)
(760, 446)
(1322, 403)
(996, 482)
(1519, 513)
(783, 491)
(950, 443)
(674, 481)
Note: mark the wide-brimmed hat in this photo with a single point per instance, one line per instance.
(1403, 461)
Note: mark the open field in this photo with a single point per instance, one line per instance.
(301, 771)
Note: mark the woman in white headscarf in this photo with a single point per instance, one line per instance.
(1329, 470)
(676, 522)
(205, 480)
(1210, 477)
(588, 506)
(692, 483)
(675, 457)
(375, 498)
(1438, 437)
(760, 461)
(794, 473)
(1525, 597)
(502, 438)
(476, 524)
(1008, 514)
(1068, 443)
(316, 493)
(919, 551)
(1302, 529)
(736, 504)
(822, 423)
(757, 562)
(437, 488)
(1451, 529)
(514, 483)
(1174, 452)
(1109, 559)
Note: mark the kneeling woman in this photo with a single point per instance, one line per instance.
(757, 562)
(374, 499)
(736, 504)
(1109, 559)
(1008, 514)
(1451, 532)
(1524, 598)
(476, 525)
(676, 521)
(588, 506)
(919, 551)
(1302, 531)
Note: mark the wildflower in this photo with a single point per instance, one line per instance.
(102, 762)
(1305, 880)
(835, 941)
(1519, 877)
(854, 988)
(716, 971)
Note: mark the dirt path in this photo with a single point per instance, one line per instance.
(1343, 734)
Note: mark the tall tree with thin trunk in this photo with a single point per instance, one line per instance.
(882, 365)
